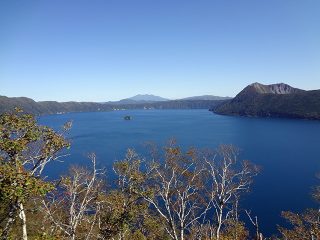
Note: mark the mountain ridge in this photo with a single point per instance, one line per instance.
(277, 88)
(206, 97)
(147, 97)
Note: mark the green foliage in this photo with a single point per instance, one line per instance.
(20, 184)
(25, 149)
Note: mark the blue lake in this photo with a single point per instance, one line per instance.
(287, 150)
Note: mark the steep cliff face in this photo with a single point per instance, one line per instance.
(275, 100)
(279, 88)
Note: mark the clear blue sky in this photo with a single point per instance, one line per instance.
(98, 50)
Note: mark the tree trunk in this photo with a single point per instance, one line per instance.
(175, 235)
(11, 218)
(219, 225)
(260, 236)
(257, 229)
(182, 233)
(218, 231)
(22, 215)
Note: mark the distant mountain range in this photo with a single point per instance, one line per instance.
(149, 98)
(136, 102)
(206, 97)
(275, 100)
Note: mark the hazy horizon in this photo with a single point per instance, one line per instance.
(110, 50)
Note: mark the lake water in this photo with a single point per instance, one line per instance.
(287, 150)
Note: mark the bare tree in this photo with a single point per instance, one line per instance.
(174, 189)
(229, 178)
(255, 223)
(76, 201)
(123, 202)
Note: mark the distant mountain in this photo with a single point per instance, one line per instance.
(206, 97)
(139, 99)
(147, 98)
(275, 100)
